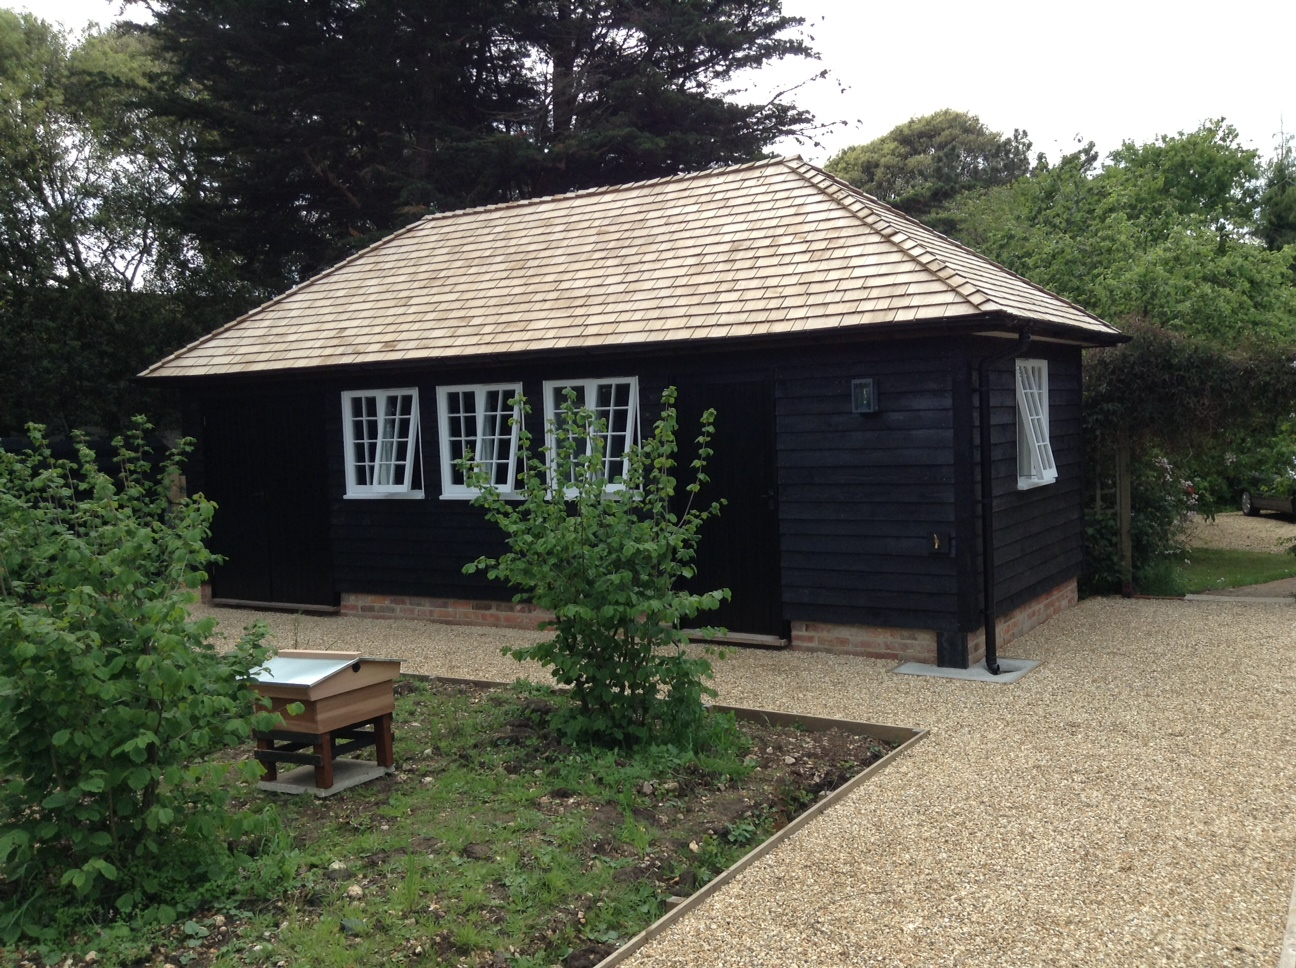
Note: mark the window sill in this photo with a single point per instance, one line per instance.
(1027, 483)
(508, 496)
(386, 496)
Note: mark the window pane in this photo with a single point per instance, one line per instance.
(1034, 451)
(383, 431)
(476, 422)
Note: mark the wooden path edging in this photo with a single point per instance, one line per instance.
(908, 739)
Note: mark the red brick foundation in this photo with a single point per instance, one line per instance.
(1021, 620)
(919, 645)
(866, 640)
(448, 611)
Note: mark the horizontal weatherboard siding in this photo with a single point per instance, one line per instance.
(860, 494)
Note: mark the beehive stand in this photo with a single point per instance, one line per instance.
(348, 702)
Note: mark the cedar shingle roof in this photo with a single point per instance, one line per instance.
(770, 248)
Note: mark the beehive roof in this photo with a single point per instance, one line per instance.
(769, 248)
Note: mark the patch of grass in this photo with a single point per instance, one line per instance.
(1162, 576)
(1215, 568)
(495, 843)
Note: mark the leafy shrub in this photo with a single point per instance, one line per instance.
(1161, 502)
(109, 695)
(608, 564)
(1269, 465)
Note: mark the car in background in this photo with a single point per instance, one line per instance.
(1253, 502)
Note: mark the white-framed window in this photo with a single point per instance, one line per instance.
(1035, 465)
(380, 430)
(615, 403)
(480, 419)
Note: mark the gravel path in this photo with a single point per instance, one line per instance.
(1129, 802)
(1266, 532)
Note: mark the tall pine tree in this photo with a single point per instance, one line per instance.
(333, 122)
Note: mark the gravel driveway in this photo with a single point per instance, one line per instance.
(1267, 532)
(1129, 802)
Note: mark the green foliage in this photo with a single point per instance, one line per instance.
(1186, 393)
(1162, 241)
(109, 695)
(925, 162)
(96, 281)
(1161, 501)
(1268, 463)
(333, 124)
(1278, 199)
(1205, 409)
(605, 553)
(1163, 233)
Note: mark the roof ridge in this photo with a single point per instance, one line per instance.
(440, 216)
(867, 199)
(609, 189)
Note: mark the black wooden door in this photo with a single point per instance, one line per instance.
(265, 468)
(739, 550)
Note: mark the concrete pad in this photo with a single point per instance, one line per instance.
(346, 774)
(1287, 957)
(1010, 670)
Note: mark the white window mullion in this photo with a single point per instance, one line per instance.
(482, 420)
(1035, 463)
(381, 442)
(614, 402)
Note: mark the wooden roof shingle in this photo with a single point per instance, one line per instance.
(768, 248)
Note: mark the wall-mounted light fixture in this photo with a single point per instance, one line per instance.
(863, 396)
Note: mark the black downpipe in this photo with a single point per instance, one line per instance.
(989, 612)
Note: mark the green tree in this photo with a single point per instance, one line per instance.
(334, 123)
(1278, 199)
(1162, 240)
(633, 89)
(95, 281)
(608, 564)
(927, 161)
(1164, 233)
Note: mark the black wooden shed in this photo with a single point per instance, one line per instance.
(843, 345)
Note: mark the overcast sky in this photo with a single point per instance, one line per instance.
(1105, 70)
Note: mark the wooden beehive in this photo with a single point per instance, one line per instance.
(338, 689)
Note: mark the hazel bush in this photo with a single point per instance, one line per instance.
(111, 697)
(607, 554)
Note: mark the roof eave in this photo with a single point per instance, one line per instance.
(996, 323)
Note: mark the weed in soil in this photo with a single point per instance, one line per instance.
(494, 845)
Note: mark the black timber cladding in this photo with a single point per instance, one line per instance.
(858, 497)
(1039, 532)
(862, 495)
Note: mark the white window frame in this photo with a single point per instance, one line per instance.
(480, 442)
(392, 458)
(629, 434)
(1035, 464)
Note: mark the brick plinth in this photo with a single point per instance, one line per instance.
(866, 640)
(1024, 618)
(448, 611)
(919, 645)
